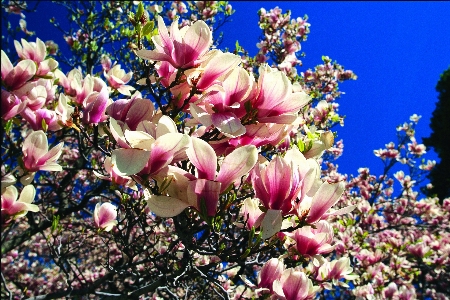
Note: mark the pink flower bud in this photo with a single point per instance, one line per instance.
(105, 216)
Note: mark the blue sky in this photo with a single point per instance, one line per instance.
(397, 49)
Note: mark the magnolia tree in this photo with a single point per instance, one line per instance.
(178, 170)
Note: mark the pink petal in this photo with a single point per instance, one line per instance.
(107, 214)
(196, 41)
(237, 85)
(9, 196)
(275, 87)
(53, 154)
(220, 64)
(203, 157)
(22, 72)
(154, 55)
(6, 65)
(140, 110)
(35, 145)
(200, 115)
(165, 148)
(204, 192)
(325, 197)
(165, 125)
(277, 180)
(295, 284)
(237, 164)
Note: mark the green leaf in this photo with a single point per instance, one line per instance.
(44, 125)
(148, 28)
(55, 222)
(140, 12)
(8, 126)
(301, 146)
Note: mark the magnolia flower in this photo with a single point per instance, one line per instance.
(310, 241)
(36, 155)
(115, 178)
(224, 107)
(117, 79)
(271, 271)
(94, 107)
(335, 270)
(34, 51)
(11, 105)
(131, 111)
(15, 77)
(106, 62)
(294, 285)
(278, 183)
(276, 102)
(251, 212)
(202, 190)
(182, 48)
(105, 216)
(208, 186)
(13, 207)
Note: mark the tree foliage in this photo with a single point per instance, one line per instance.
(440, 124)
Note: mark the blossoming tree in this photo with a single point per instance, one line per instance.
(184, 171)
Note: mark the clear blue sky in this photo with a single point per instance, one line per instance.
(397, 49)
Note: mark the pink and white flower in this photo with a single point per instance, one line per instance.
(294, 285)
(105, 216)
(37, 156)
(182, 48)
(11, 206)
(117, 79)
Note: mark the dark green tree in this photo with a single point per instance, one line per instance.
(440, 126)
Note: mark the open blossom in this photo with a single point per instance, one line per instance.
(276, 100)
(94, 107)
(270, 272)
(335, 270)
(294, 285)
(312, 241)
(105, 216)
(117, 79)
(131, 112)
(15, 77)
(36, 51)
(11, 105)
(182, 48)
(224, 108)
(202, 190)
(37, 156)
(11, 206)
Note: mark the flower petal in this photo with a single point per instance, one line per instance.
(237, 164)
(325, 197)
(271, 223)
(129, 161)
(165, 206)
(203, 157)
